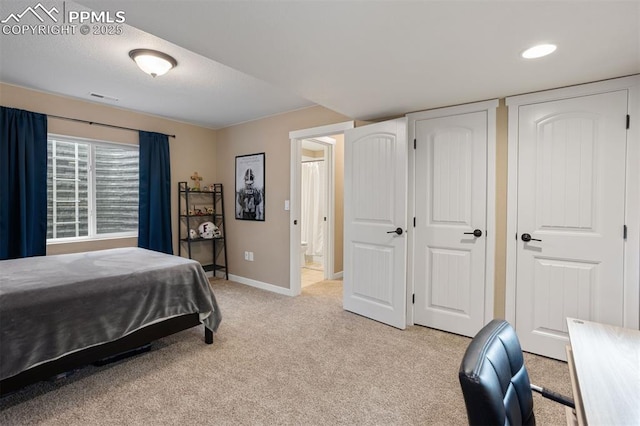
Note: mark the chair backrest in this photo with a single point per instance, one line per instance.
(494, 380)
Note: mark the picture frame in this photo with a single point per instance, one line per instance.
(250, 187)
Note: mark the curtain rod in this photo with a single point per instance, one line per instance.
(99, 124)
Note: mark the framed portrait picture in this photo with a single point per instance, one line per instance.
(250, 188)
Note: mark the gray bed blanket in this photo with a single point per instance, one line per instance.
(51, 306)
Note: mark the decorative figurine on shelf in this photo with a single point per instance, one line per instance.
(208, 230)
(193, 234)
(196, 181)
(209, 210)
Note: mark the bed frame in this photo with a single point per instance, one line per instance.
(112, 351)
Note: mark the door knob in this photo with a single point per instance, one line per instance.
(527, 237)
(397, 231)
(476, 233)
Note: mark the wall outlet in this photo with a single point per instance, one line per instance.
(246, 255)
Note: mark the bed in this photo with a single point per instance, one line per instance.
(61, 312)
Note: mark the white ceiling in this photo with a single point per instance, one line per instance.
(242, 60)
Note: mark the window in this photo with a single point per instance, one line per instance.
(92, 189)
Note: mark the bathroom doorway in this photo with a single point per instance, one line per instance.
(313, 210)
(327, 266)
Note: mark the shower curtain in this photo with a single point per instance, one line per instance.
(313, 208)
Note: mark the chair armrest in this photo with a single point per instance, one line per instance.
(554, 396)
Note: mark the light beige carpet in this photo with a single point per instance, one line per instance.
(277, 360)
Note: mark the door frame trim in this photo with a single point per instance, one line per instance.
(489, 107)
(296, 137)
(631, 315)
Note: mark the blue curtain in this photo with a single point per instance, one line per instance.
(154, 221)
(23, 183)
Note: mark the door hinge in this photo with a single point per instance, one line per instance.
(624, 232)
(413, 298)
(414, 222)
(415, 143)
(628, 121)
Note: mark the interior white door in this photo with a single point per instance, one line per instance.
(450, 230)
(375, 205)
(571, 209)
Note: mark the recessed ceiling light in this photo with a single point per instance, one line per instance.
(539, 51)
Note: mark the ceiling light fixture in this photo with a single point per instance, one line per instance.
(539, 51)
(153, 62)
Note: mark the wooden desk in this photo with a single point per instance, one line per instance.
(605, 365)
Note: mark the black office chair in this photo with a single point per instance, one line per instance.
(495, 382)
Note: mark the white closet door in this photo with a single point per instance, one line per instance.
(570, 217)
(450, 206)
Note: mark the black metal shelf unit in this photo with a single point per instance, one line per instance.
(195, 208)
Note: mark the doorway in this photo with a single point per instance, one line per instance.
(327, 137)
(314, 190)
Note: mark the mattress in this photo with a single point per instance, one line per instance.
(51, 306)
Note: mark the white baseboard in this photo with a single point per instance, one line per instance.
(337, 276)
(261, 285)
